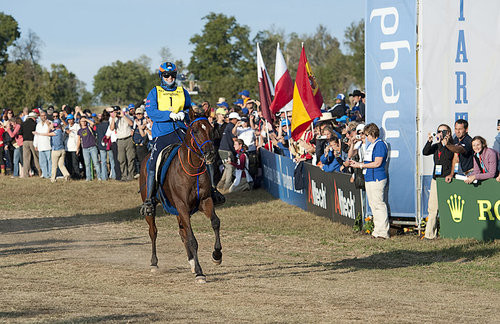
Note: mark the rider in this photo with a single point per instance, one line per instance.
(166, 105)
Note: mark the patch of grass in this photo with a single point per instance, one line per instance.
(80, 252)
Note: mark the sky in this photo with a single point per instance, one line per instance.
(85, 35)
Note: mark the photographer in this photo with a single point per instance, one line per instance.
(443, 168)
(357, 149)
(87, 140)
(375, 160)
(122, 124)
(331, 160)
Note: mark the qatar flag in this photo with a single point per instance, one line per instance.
(283, 85)
(266, 90)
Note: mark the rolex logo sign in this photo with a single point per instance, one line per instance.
(456, 205)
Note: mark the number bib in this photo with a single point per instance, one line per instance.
(170, 100)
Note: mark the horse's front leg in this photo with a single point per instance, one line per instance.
(183, 235)
(207, 207)
(191, 244)
(153, 232)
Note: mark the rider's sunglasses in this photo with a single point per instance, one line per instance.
(166, 75)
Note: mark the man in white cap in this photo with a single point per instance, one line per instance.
(226, 151)
(28, 128)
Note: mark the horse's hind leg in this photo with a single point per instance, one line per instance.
(191, 244)
(207, 207)
(153, 231)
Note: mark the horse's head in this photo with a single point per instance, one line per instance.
(199, 134)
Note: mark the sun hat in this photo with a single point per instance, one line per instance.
(234, 115)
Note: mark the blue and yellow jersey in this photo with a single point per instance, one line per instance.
(160, 103)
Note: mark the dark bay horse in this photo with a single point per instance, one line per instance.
(187, 187)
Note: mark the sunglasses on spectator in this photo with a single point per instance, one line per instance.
(139, 113)
(166, 75)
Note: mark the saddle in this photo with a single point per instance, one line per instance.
(164, 158)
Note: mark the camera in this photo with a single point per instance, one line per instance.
(358, 136)
(445, 132)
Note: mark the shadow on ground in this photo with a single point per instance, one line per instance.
(377, 261)
(44, 224)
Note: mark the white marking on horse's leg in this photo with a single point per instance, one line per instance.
(191, 263)
(201, 279)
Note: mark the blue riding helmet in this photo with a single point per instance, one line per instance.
(167, 69)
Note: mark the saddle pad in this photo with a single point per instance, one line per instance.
(161, 176)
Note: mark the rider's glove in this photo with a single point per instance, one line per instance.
(181, 115)
(174, 116)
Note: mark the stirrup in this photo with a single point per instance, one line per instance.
(217, 197)
(147, 208)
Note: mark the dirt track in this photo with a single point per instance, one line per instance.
(58, 265)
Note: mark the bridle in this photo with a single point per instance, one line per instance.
(200, 153)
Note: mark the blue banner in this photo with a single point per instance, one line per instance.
(390, 72)
(278, 178)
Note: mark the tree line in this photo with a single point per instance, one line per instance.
(223, 62)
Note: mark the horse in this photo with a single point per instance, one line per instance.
(187, 187)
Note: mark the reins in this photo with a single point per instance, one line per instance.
(193, 149)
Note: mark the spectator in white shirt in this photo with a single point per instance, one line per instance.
(42, 144)
(72, 163)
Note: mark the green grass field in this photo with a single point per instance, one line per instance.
(79, 252)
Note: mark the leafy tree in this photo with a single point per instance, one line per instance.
(9, 32)
(355, 40)
(23, 85)
(223, 59)
(62, 87)
(121, 83)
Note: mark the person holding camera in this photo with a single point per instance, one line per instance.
(443, 168)
(122, 123)
(87, 140)
(227, 152)
(375, 159)
(331, 160)
(71, 131)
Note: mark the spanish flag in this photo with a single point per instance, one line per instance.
(307, 99)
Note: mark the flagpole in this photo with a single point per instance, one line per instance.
(269, 138)
(289, 127)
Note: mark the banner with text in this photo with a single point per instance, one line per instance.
(390, 67)
(332, 195)
(458, 72)
(469, 211)
(278, 178)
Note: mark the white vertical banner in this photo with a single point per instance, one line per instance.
(459, 70)
(459, 65)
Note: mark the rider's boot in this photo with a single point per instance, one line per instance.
(217, 197)
(147, 208)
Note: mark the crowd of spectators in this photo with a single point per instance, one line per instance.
(72, 143)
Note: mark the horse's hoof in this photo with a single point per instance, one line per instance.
(154, 269)
(217, 262)
(201, 279)
(217, 257)
(191, 263)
